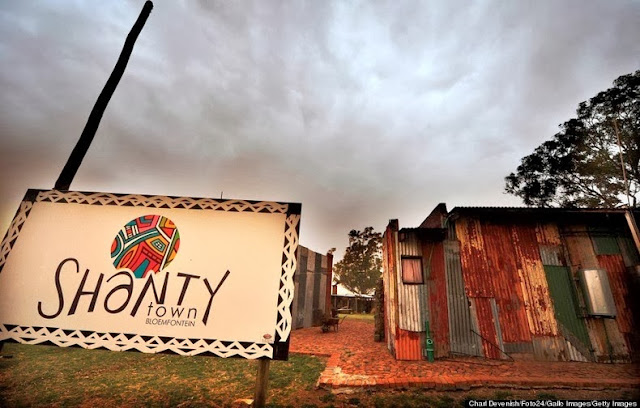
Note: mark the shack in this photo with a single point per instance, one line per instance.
(548, 284)
(312, 296)
(350, 302)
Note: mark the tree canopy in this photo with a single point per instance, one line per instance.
(581, 165)
(361, 266)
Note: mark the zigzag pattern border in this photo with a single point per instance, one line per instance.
(124, 342)
(156, 344)
(14, 229)
(286, 279)
(139, 200)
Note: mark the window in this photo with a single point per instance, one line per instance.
(412, 270)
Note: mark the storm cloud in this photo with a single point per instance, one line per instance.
(362, 111)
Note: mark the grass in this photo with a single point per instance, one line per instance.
(71, 377)
(366, 317)
(48, 375)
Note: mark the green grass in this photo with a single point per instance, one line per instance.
(48, 375)
(366, 317)
(70, 377)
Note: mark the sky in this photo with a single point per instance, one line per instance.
(363, 111)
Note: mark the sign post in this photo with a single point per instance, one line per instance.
(262, 382)
(82, 146)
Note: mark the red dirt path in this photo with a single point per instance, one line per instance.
(355, 360)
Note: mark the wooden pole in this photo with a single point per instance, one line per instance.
(624, 171)
(633, 227)
(262, 381)
(80, 150)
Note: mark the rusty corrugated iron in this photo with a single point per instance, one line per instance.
(409, 345)
(538, 304)
(606, 338)
(437, 287)
(619, 281)
(461, 321)
(475, 269)
(389, 278)
(501, 256)
(547, 234)
(486, 324)
(579, 247)
(412, 298)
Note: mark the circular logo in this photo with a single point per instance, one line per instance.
(147, 243)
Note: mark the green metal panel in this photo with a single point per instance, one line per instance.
(604, 241)
(564, 302)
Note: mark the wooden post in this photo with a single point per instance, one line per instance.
(262, 381)
(80, 150)
(633, 227)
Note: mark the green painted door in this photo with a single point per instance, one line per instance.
(564, 302)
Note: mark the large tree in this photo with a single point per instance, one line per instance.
(361, 266)
(581, 165)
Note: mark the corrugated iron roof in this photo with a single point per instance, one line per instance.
(539, 210)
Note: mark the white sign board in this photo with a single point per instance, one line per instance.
(150, 273)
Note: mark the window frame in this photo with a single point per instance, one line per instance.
(409, 257)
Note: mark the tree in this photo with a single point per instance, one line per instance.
(361, 266)
(581, 165)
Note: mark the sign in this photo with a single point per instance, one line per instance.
(150, 273)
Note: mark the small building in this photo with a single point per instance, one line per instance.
(528, 283)
(312, 296)
(343, 298)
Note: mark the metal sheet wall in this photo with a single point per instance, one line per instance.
(487, 326)
(537, 299)
(548, 234)
(409, 345)
(559, 280)
(309, 301)
(437, 287)
(502, 261)
(473, 255)
(412, 298)
(629, 251)
(608, 342)
(389, 273)
(461, 322)
(620, 282)
(501, 257)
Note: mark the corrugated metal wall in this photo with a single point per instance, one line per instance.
(437, 288)
(512, 283)
(461, 322)
(412, 298)
(409, 345)
(559, 279)
(501, 263)
(311, 280)
(389, 274)
(501, 257)
(538, 304)
(607, 340)
(620, 282)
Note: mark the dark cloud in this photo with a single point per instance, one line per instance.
(362, 111)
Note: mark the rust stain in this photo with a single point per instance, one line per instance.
(487, 328)
(620, 282)
(409, 345)
(390, 273)
(579, 246)
(475, 270)
(548, 234)
(540, 313)
(438, 307)
(501, 257)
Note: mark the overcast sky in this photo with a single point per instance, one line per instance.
(362, 111)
